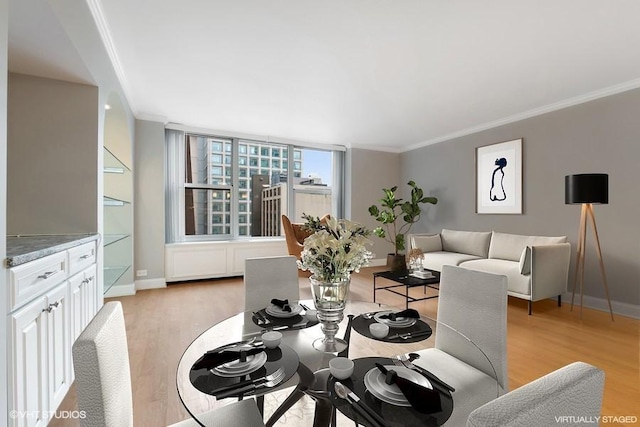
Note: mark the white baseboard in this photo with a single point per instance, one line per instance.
(378, 262)
(621, 308)
(150, 284)
(121, 291)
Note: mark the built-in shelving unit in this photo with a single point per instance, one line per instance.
(118, 221)
(117, 202)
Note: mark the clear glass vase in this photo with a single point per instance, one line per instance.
(330, 299)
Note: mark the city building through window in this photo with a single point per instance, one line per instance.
(226, 188)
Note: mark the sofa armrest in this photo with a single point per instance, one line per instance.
(549, 270)
(425, 242)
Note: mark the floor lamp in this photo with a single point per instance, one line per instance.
(587, 189)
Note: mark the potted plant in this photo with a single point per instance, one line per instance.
(397, 217)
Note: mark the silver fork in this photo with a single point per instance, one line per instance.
(262, 320)
(267, 381)
(407, 335)
(398, 361)
(370, 315)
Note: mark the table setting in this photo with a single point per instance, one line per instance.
(384, 392)
(244, 368)
(282, 315)
(392, 326)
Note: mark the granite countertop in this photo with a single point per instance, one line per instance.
(26, 248)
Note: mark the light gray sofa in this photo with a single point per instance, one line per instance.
(537, 267)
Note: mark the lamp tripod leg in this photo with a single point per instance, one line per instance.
(579, 268)
(604, 275)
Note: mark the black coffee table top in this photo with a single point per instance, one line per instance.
(403, 276)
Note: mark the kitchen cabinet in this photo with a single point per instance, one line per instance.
(41, 357)
(53, 298)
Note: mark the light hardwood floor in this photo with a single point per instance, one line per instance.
(162, 322)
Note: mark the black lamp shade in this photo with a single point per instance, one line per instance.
(586, 188)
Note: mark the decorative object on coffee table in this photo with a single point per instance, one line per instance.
(334, 250)
(415, 260)
(397, 217)
(587, 189)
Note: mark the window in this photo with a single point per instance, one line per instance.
(228, 188)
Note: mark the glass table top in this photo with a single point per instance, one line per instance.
(296, 347)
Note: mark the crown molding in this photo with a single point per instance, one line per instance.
(581, 99)
(95, 6)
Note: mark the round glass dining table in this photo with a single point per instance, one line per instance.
(306, 369)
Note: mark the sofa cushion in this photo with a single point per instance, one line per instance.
(466, 242)
(510, 246)
(525, 261)
(435, 260)
(517, 282)
(426, 242)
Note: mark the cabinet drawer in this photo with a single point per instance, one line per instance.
(81, 257)
(36, 277)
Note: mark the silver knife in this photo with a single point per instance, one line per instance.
(358, 405)
(264, 320)
(431, 377)
(285, 327)
(409, 335)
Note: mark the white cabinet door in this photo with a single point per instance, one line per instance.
(76, 303)
(83, 292)
(91, 294)
(29, 364)
(58, 355)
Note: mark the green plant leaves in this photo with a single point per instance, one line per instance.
(388, 214)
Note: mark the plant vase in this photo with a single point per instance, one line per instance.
(396, 262)
(330, 299)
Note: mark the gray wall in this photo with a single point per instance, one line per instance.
(601, 136)
(4, 282)
(149, 195)
(371, 171)
(52, 156)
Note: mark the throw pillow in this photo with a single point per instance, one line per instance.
(525, 261)
(428, 243)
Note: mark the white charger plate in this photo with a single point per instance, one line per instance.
(237, 368)
(275, 311)
(400, 322)
(390, 393)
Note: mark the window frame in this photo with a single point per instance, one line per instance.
(176, 162)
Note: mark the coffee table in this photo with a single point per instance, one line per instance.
(402, 279)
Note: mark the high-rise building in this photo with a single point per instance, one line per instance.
(215, 166)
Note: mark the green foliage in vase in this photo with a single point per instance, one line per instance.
(393, 209)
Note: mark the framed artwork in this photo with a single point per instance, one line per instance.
(499, 178)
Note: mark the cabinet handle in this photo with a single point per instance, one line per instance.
(85, 256)
(51, 307)
(47, 274)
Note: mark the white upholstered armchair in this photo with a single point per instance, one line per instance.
(570, 396)
(472, 308)
(103, 381)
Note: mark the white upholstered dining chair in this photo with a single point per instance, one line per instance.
(103, 379)
(566, 397)
(471, 330)
(266, 278)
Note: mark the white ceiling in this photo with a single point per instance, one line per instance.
(383, 74)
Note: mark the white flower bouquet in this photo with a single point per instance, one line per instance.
(335, 249)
